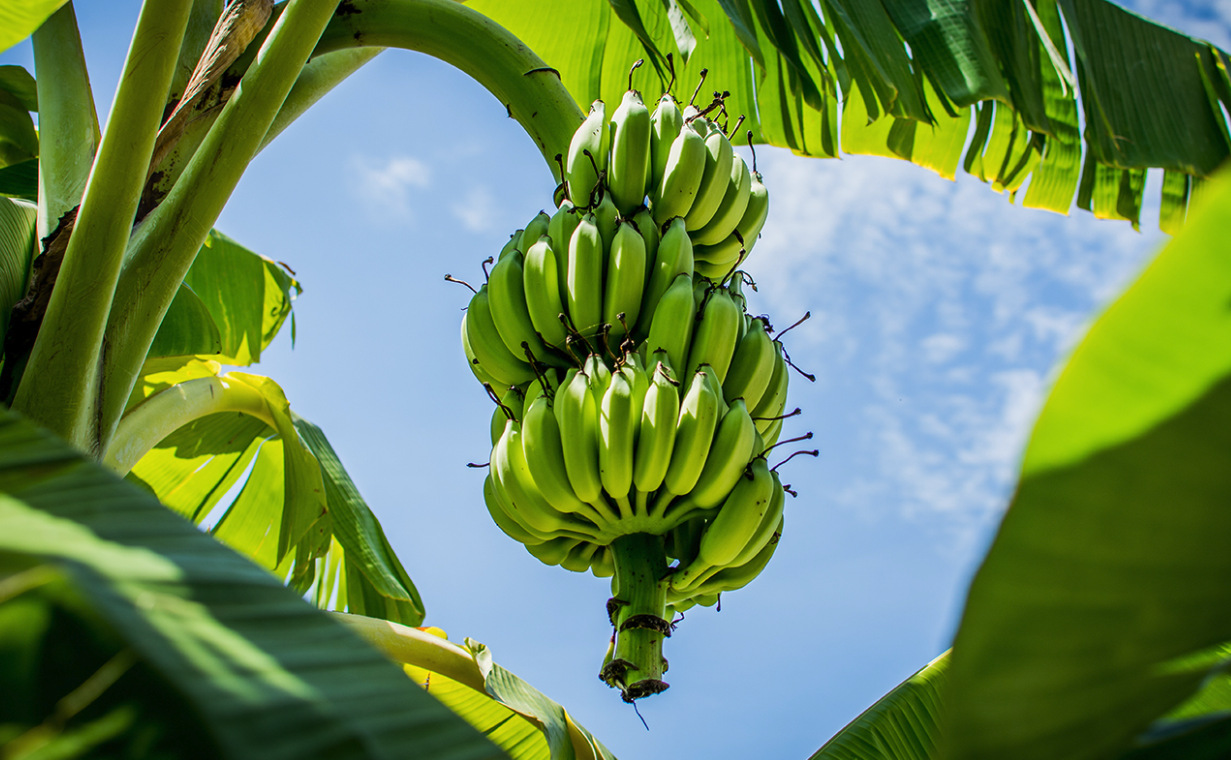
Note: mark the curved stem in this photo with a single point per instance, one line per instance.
(60, 390)
(172, 408)
(411, 646)
(530, 90)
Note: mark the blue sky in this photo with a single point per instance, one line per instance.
(939, 314)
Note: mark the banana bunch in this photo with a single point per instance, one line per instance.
(696, 175)
(636, 399)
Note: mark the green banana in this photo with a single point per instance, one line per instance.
(602, 566)
(629, 174)
(713, 376)
(491, 354)
(617, 432)
(752, 366)
(536, 229)
(665, 125)
(542, 292)
(673, 258)
(625, 281)
(772, 433)
(736, 577)
(505, 503)
(650, 235)
(736, 522)
(514, 402)
(681, 178)
(770, 524)
(730, 209)
(599, 374)
(507, 524)
(579, 557)
(635, 365)
(671, 328)
(544, 452)
(472, 361)
(585, 278)
(552, 552)
(716, 272)
(744, 236)
(513, 475)
(705, 600)
(774, 398)
(581, 170)
(728, 457)
(656, 437)
(514, 244)
(506, 296)
(719, 156)
(694, 434)
(561, 228)
(577, 414)
(544, 384)
(605, 216)
(736, 288)
(717, 329)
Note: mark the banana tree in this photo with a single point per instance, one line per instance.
(119, 332)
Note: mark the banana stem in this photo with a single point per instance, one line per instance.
(166, 243)
(60, 387)
(638, 606)
(530, 90)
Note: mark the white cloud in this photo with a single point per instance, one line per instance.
(477, 210)
(387, 185)
(945, 306)
(942, 347)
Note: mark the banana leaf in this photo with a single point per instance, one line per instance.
(343, 557)
(1097, 624)
(17, 233)
(265, 674)
(903, 725)
(19, 19)
(1152, 97)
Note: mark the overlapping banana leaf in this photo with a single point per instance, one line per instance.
(231, 306)
(906, 723)
(297, 513)
(903, 78)
(17, 222)
(1103, 605)
(263, 672)
(18, 138)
